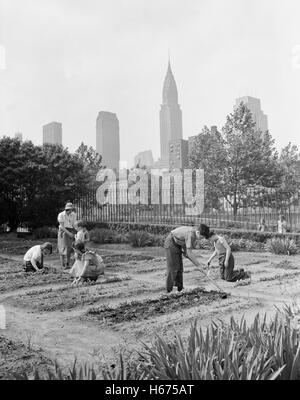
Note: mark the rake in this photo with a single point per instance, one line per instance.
(224, 295)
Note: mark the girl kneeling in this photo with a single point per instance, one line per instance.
(226, 259)
(88, 265)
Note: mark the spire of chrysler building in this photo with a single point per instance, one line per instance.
(170, 115)
(170, 94)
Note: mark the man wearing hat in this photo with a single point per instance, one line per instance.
(34, 258)
(66, 232)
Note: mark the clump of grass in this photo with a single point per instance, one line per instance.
(103, 236)
(282, 246)
(139, 238)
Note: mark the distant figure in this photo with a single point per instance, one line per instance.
(262, 226)
(34, 258)
(226, 259)
(66, 234)
(88, 265)
(282, 224)
(82, 236)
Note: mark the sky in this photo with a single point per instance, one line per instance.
(66, 60)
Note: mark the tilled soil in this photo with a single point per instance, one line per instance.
(18, 359)
(128, 305)
(139, 310)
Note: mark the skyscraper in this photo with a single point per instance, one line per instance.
(170, 116)
(108, 140)
(178, 154)
(254, 105)
(52, 133)
(144, 159)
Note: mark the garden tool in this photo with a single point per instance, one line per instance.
(224, 295)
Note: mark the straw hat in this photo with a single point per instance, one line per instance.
(69, 206)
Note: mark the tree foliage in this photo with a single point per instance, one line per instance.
(236, 160)
(36, 181)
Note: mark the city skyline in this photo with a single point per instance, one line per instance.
(81, 66)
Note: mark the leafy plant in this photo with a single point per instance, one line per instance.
(102, 236)
(139, 239)
(282, 246)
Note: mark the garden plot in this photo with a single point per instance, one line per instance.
(129, 303)
(68, 297)
(18, 358)
(138, 310)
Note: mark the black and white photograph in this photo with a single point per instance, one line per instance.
(149, 193)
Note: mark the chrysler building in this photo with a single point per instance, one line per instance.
(170, 116)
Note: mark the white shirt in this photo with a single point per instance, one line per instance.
(34, 253)
(68, 220)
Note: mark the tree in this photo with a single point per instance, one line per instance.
(36, 181)
(209, 154)
(92, 162)
(252, 160)
(236, 160)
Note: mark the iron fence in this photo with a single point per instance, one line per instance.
(245, 211)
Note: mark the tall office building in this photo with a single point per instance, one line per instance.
(19, 136)
(254, 105)
(170, 116)
(52, 133)
(108, 139)
(178, 154)
(144, 159)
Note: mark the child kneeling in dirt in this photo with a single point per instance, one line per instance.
(88, 265)
(34, 258)
(226, 259)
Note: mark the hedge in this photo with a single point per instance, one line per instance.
(256, 236)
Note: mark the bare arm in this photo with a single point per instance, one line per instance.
(212, 257)
(62, 226)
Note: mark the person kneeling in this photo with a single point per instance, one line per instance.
(88, 265)
(34, 258)
(226, 259)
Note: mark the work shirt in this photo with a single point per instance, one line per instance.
(34, 253)
(185, 236)
(68, 220)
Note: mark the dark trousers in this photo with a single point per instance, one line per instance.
(30, 268)
(174, 264)
(228, 274)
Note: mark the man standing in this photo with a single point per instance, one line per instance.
(180, 242)
(66, 233)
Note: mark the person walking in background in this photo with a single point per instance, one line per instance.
(262, 226)
(180, 242)
(82, 236)
(281, 224)
(66, 233)
(226, 259)
(34, 257)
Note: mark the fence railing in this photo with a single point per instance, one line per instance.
(251, 210)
